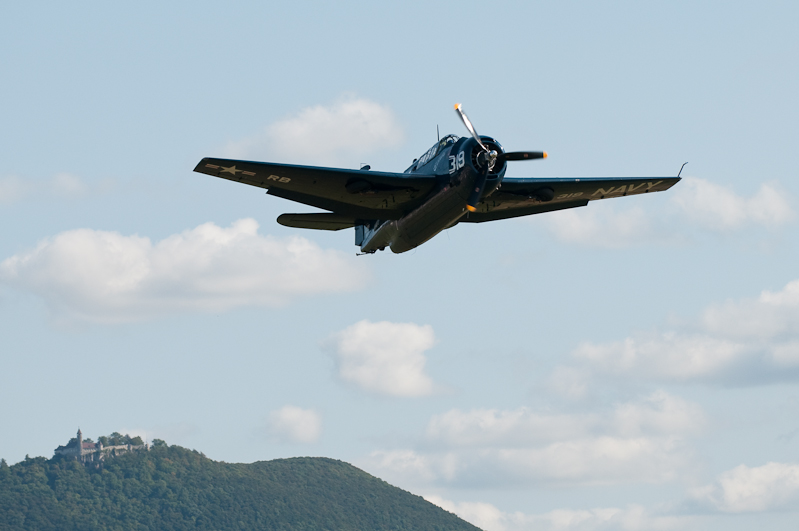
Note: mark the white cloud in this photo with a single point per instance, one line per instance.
(407, 464)
(749, 341)
(481, 427)
(105, 277)
(342, 133)
(483, 515)
(384, 358)
(490, 518)
(719, 208)
(294, 424)
(658, 413)
(668, 356)
(693, 203)
(639, 441)
(773, 486)
(771, 315)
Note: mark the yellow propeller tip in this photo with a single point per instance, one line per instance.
(545, 154)
(470, 208)
(457, 105)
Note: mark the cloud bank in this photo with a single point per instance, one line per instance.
(346, 131)
(768, 488)
(384, 358)
(638, 441)
(105, 277)
(746, 342)
(771, 487)
(488, 517)
(718, 208)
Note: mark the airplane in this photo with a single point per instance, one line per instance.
(458, 180)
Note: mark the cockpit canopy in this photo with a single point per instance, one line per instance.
(447, 140)
(433, 151)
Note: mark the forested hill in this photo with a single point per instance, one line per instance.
(172, 489)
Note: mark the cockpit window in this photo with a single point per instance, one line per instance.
(446, 141)
(433, 151)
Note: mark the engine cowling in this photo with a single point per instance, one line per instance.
(480, 160)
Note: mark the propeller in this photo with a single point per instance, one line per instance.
(522, 155)
(490, 157)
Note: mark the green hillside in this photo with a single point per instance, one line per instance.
(174, 489)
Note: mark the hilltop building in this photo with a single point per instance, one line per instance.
(95, 452)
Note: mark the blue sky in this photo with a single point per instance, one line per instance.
(631, 365)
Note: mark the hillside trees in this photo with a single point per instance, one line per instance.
(174, 489)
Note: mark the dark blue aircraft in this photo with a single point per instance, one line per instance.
(458, 180)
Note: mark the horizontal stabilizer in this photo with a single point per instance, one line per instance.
(318, 221)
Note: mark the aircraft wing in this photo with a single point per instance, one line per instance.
(523, 197)
(350, 194)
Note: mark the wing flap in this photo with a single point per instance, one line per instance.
(493, 215)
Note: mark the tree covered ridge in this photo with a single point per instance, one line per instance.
(173, 489)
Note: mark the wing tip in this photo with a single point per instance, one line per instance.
(206, 167)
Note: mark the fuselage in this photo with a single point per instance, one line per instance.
(455, 163)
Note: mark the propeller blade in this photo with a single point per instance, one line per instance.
(522, 155)
(477, 191)
(469, 126)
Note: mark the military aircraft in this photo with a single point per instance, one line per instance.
(458, 180)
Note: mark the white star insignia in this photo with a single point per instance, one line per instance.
(232, 170)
